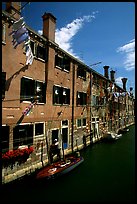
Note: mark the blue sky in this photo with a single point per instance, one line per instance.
(93, 32)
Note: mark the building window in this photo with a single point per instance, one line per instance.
(81, 122)
(65, 123)
(61, 95)
(42, 52)
(81, 72)
(66, 96)
(27, 89)
(22, 135)
(40, 89)
(3, 84)
(5, 138)
(66, 64)
(58, 61)
(62, 62)
(3, 33)
(55, 134)
(39, 128)
(84, 121)
(32, 89)
(81, 98)
(78, 122)
(56, 95)
(93, 100)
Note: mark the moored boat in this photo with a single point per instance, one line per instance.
(59, 168)
(123, 130)
(110, 136)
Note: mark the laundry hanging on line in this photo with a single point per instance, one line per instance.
(20, 34)
(29, 55)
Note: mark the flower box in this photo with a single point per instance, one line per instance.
(19, 155)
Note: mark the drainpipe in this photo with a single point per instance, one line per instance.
(91, 133)
(73, 86)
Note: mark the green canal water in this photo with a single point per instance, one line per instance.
(106, 175)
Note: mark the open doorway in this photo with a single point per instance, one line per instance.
(65, 137)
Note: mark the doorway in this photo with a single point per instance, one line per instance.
(65, 137)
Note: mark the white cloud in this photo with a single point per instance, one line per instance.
(40, 32)
(119, 81)
(64, 35)
(129, 51)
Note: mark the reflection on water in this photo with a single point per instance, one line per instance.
(107, 174)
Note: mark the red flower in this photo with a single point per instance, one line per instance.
(19, 155)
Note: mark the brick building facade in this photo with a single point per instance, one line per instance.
(69, 99)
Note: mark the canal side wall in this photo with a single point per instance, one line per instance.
(17, 172)
(10, 174)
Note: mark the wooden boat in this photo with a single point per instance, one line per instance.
(59, 168)
(123, 130)
(111, 136)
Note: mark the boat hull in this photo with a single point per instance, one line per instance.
(123, 130)
(111, 137)
(59, 168)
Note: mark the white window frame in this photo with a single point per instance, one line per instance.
(4, 33)
(43, 129)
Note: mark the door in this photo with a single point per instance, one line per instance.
(65, 137)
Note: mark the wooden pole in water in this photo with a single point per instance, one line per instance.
(42, 153)
(63, 148)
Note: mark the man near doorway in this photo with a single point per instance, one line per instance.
(54, 150)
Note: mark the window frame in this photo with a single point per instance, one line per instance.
(4, 33)
(81, 98)
(39, 46)
(61, 62)
(33, 92)
(26, 134)
(58, 97)
(81, 72)
(43, 130)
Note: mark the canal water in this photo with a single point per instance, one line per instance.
(106, 175)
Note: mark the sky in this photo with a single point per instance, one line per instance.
(92, 32)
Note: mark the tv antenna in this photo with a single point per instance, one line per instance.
(95, 64)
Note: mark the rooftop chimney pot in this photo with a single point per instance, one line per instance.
(49, 26)
(124, 81)
(13, 8)
(112, 72)
(106, 71)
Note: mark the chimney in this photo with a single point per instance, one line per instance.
(13, 8)
(124, 80)
(106, 71)
(112, 72)
(49, 26)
